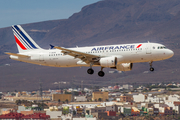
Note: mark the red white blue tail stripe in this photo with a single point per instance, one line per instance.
(23, 40)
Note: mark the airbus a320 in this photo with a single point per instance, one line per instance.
(120, 56)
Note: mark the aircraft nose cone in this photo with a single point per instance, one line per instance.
(170, 53)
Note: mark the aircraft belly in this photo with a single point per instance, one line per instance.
(63, 61)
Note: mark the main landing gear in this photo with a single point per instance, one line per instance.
(151, 68)
(101, 73)
(91, 71)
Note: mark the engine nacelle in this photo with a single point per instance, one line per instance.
(124, 67)
(108, 62)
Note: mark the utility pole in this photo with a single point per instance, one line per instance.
(40, 91)
(72, 92)
(59, 87)
(81, 86)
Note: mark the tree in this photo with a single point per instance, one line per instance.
(66, 100)
(13, 94)
(99, 99)
(18, 102)
(74, 112)
(59, 100)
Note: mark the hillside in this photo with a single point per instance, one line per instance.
(101, 23)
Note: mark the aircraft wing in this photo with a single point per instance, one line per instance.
(19, 55)
(85, 57)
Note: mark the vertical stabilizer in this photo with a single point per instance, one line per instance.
(23, 40)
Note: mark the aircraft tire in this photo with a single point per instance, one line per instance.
(101, 73)
(90, 71)
(151, 69)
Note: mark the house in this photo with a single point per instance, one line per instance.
(100, 96)
(165, 110)
(17, 116)
(128, 87)
(89, 111)
(156, 111)
(154, 99)
(126, 98)
(100, 115)
(168, 111)
(61, 97)
(104, 116)
(126, 110)
(177, 107)
(135, 111)
(174, 97)
(80, 98)
(111, 108)
(111, 113)
(139, 98)
(150, 111)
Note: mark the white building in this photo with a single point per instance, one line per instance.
(84, 118)
(174, 97)
(170, 102)
(139, 98)
(128, 87)
(154, 99)
(54, 114)
(80, 98)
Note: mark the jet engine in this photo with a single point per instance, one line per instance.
(112, 62)
(124, 67)
(108, 62)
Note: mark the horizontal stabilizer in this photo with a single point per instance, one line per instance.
(52, 46)
(18, 55)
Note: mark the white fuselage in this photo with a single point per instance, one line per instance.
(127, 53)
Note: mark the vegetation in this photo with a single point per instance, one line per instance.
(59, 100)
(13, 94)
(99, 99)
(29, 104)
(66, 100)
(161, 86)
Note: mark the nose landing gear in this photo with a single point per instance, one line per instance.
(151, 68)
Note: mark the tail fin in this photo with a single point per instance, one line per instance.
(23, 40)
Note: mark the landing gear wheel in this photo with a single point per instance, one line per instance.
(151, 69)
(90, 71)
(101, 73)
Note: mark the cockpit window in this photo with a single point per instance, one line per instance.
(161, 47)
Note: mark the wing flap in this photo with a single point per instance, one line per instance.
(18, 55)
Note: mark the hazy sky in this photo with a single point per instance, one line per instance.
(28, 11)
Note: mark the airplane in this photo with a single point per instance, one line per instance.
(118, 56)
